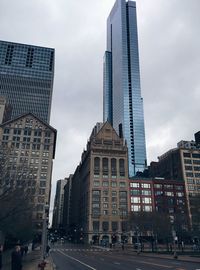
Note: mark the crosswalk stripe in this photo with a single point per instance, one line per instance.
(80, 250)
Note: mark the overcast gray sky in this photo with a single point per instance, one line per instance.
(169, 46)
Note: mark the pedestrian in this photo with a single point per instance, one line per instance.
(47, 250)
(22, 250)
(182, 246)
(122, 245)
(26, 250)
(16, 259)
(1, 251)
(170, 247)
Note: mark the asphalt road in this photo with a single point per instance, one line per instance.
(74, 257)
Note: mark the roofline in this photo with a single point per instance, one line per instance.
(45, 123)
(24, 44)
(25, 114)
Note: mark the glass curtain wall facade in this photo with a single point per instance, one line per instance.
(26, 78)
(123, 104)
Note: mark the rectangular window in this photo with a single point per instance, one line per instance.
(114, 193)
(179, 194)
(188, 168)
(195, 155)
(114, 225)
(105, 205)
(6, 131)
(144, 185)
(96, 192)
(95, 198)
(158, 192)
(157, 185)
(170, 194)
(135, 185)
(135, 192)
(147, 208)
(196, 161)
(146, 200)
(96, 205)
(96, 183)
(135, 199)
(168, 186)
(42, 183)
(186, 154)
(105, 226)
(105, 184)
(96, 226)
(146, 192)
(123, 194)
(179, 187)
(122, 184)
(113, 184)
(114, 206)
(189, 174)
(95, 212)
(105, 192)
(5, 138)
(135, 208)
(191, 187)
(187, 161)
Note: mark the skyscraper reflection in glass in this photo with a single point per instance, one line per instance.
(123, 104)
(26, 78)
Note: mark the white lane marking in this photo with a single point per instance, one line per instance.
(137, 269)
(72, 258)
(117, 263)
(156, 264)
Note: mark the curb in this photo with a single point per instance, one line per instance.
(165, 258)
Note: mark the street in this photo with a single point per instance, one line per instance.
(77, 257)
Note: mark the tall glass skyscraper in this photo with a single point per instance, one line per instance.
(123, 104)
(26, 78)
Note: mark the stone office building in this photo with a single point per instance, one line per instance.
(30, 144)
(103, 188)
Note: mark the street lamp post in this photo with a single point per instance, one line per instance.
(44, 230)
(175, 240)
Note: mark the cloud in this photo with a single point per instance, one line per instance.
(169, 46)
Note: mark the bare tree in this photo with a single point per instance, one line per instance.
(195, 213)
(17, 192)
(153, 224)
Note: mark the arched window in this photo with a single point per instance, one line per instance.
(113, 167)
(96, 165)
(121, 167)
(105, 166)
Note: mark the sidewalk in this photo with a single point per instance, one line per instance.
(29, 262)
(185, 258)
(33, 259)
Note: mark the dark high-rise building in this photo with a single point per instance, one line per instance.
(123, 104)
(26, 78)
(197, 138)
